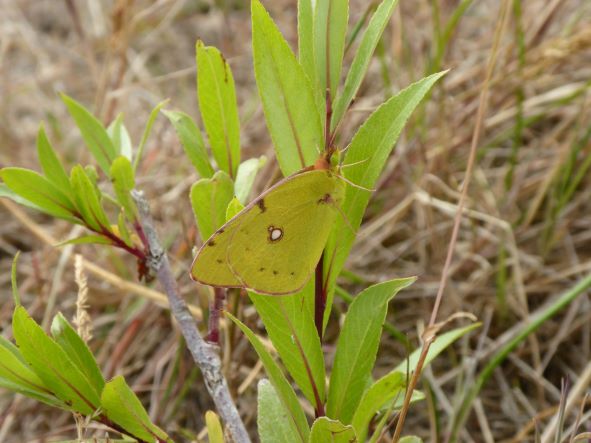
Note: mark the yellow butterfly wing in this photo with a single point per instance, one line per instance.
(274, 244)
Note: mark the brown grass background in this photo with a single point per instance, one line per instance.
(512, 255)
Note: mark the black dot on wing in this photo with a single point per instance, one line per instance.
(211, 243)
(275, 272)
(261, 205)
(292, 273)
(261, 269)
(220, 261)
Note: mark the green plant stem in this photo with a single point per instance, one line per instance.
(534, 322)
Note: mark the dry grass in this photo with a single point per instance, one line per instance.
(522, 241)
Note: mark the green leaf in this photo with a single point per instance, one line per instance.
(100, 440)
(386, 388)
(77, 350)
(247, 172)
(93, 132)
(290, 325)
(273, 423)
(209, 199)
(330, 29)
(92, 175)
(289, 400)
(192, 141)
(326, 430)
(123, 231)
(215, 433)
(437, 347)
(6, 192)
(52, 167)
(369, 41)
(16, 296)
(53, 365)
(306, 38)
(358, 345)
(39, 191)
(87, 200)
(123, 180)
(123, 407)
(219, 111)
(120, 137)
(367, 154)
(389, 387)
(17, 376)
(146, 133)
(411, 439)
(288, 101)
(85, 240)
(234, 207)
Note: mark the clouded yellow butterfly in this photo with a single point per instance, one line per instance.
(273, 245)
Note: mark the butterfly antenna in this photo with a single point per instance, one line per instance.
(355, 185)
(354, 163)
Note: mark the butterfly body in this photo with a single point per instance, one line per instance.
(273, 245)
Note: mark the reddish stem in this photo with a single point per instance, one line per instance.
(319, 297)
(215, 308)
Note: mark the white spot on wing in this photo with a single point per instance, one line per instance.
(275, 233)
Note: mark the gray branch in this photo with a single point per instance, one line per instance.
(204, 354)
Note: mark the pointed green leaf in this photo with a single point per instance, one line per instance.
(234, 207)
(53, 365)
(385, 389)
(288, 101)
(123, 230)
(326, 430)
(85, 240)
(92, 175)
(123, 183)
(39, 191)
(290, 325)
(289, 400)
(247, 172)
(330, 29)
(65, 336)
(6, 192)
(219, 111)
(146, 133)
(101, 440)
(389, 387)
(17, 376)
(215, 433)
(273, 423)
(306, 38)
(87, 200)
(93, 132)
(210, 198)
(191, 141)
(367, 154)
(52, 167)
(123, 407)
(437, 347)
(369, 41)
(120, 137)
(411, 439)
(357, 347)
(16, 296)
